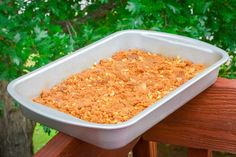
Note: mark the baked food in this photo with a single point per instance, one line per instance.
(118, 88)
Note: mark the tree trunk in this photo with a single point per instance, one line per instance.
(15, 130)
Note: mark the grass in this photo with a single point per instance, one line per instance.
(40, 138)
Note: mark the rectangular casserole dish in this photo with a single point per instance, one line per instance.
(113, 136)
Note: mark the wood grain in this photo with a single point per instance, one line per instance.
(206, 122)
(153, 149)
(66, 146)
(193, 152)
(141, 149)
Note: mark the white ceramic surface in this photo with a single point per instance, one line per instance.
(112, 136)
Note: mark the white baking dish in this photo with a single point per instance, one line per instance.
(112, 136)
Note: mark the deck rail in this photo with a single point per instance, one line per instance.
(207, 123)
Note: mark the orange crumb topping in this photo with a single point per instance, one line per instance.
(118, 88)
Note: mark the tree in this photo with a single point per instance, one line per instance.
(28, 40)
(34, 33)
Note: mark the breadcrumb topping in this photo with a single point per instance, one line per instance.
(118, 88)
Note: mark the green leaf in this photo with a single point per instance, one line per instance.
(17, 37)
(133, 6)
(46, 129)
(206, 6)
(103, 1)
(43, 31)
(40, 34)
(173, 8)
(16, 60)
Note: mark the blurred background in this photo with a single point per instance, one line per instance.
(36, 32)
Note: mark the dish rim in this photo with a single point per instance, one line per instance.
(29, 104)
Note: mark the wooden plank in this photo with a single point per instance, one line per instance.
(145, 149)
(153, 149)
(193, 152)
(66, 146)
(206, 122)
(141, 149)
(55, 146)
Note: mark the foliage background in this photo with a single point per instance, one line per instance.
(42, 31)
(34, 33)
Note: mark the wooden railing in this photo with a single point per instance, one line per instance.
(206, 123)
